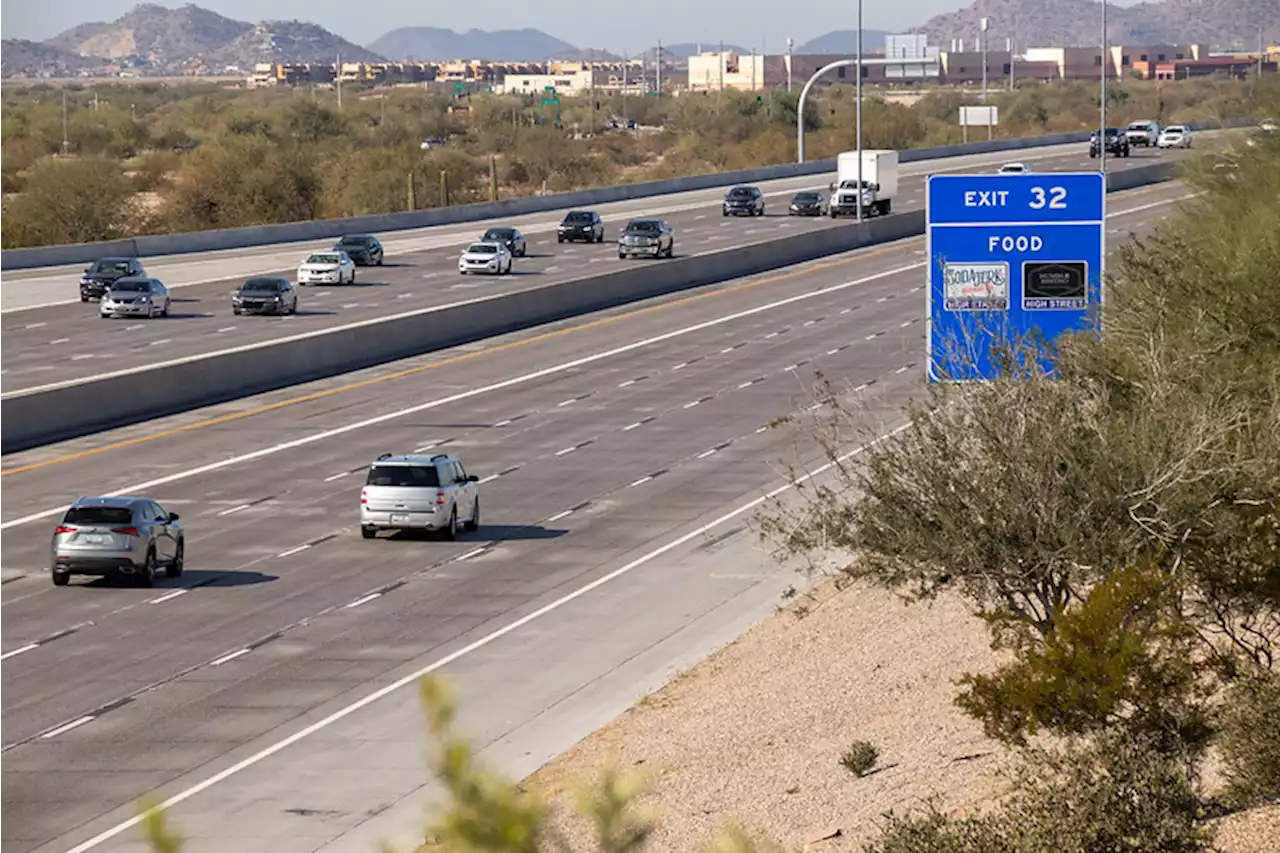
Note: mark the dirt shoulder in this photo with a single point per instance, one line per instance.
(754, 733)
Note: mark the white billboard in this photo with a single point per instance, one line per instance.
(979, 116)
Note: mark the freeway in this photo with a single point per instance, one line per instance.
(59, 343)
(270, 687)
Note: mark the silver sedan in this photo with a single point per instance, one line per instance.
(135, 297)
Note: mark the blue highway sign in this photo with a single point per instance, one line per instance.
(1013, 259)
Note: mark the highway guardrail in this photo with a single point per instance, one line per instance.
(290, 232)
(40, 416)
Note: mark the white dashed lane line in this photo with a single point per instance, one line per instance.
(227, 658)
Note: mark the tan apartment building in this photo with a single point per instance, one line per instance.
(712, 70)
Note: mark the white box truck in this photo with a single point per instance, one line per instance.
(879, 183)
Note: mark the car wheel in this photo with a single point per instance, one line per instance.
(165, 312)
(524, 250)
(451, 532)
(474, 523)
(353, 277)
(61, 578)
(235, 311)
(380, 259)
(174, 569)
(147, 575)
(622, 256)
(84, 299)
(368, 532)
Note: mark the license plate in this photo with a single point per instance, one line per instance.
(399, 517)
(95, 539)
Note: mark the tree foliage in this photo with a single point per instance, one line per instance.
(76, 200)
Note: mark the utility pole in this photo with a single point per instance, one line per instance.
(1009, 47)
(753, 69)
(658, 71)
(338, 81)
(1102, 95)
(592, 112)
(626, 60)
(66, 144)
(720, 91)
(983, 24)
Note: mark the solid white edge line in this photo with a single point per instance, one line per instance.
(229, 657)
(20, 650)
(169, 595)
(474, 646)
(359, 601)
(60, 730)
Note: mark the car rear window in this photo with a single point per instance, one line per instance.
(99, 515)
(403, 475)
(578, 217)
(131, 287)
(645, 225)
(499, 234)
(323, 259)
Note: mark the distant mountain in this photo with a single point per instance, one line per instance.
(435, 44)
(161, 36)
(291, 41)
(1222, 24)
(844, 42)
(19, 56)
(172, 40)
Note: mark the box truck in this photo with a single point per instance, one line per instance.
(879, 183)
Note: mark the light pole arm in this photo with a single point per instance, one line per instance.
(804, 93)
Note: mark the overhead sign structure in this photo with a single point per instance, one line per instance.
(1014, 260)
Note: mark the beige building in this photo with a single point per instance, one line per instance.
(711, 71)
(1085, 63)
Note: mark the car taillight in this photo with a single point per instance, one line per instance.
(441, 498)
(63, 529)
(127, 531)
(364, 496)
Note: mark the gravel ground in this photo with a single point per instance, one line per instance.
(754, 734)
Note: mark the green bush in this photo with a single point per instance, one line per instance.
(860, 758)
(75, 200)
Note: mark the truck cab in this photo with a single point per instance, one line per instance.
(1144, 133)
(879, 183)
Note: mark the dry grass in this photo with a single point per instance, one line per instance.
(754, 733)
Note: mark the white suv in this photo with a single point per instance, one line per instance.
(430, 493)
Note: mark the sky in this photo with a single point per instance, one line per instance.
(744, 22)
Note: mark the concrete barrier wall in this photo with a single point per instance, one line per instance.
(42, 417)
(260, 235)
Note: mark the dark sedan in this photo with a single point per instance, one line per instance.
(808, 203)
(581, 225)
(105, 272)
(265, 295)
(364, 250)
(509, 237)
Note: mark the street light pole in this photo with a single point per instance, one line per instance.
(791, 44)
(982, 32)
(66, 143)
(658, 71)
(858, 118)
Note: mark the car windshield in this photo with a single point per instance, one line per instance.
(1138, 125)
(403, 475)
(353, 241)
(806, 196)
(262, 285)
(499, 234)
(131, 287)
(741, 192)
(1175, 129)
(578, 217)
(482, 249)
(647, 226)
(322, 259)
(111, 266)
(99, 515)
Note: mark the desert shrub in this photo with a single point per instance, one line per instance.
(860, 758)
(1250, 739)
(75, 200)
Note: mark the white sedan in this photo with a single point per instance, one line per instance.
(488, 256)
(1014, 169)
(327, 268)
(1174, 136)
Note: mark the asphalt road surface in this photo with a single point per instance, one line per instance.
(270, 689)
(62, 342)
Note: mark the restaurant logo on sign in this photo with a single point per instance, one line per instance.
(976, 287)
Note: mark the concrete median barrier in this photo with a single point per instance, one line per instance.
(54, 413)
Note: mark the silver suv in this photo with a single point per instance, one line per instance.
(117, 536)
(431, 493)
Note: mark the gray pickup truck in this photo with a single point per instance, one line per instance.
(1144, 133)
